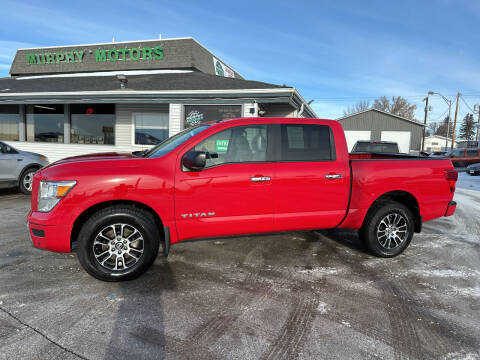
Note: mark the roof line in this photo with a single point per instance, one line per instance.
(151, 92)
(107, 43)
(383, 112)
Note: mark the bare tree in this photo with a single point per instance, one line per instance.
(433, 127)
(442, 129)
(356, 108)
(398, 106)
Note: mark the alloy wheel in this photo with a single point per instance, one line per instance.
(392, 230)
(118, 247)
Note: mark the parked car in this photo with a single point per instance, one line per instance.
(383, 147)
(464, 156)
(473, 169)
(17, 167)
(228, 178)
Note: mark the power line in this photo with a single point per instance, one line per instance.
(467, 104)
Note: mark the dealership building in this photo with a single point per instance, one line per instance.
(126, 96)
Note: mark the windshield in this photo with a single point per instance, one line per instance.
(377, 148)
(174, 141)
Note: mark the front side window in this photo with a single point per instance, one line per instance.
(236, 145)
(304, 142)
(9, 119)
(45, 123)
(92, 124)
(472, 153)
(151, 129)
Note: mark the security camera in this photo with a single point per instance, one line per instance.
(123, 80)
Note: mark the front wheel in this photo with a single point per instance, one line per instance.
(26, 181)
(388, 229)
(118, 243)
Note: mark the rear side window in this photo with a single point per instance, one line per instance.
(458, 153)
(304, 142)
(472, 153)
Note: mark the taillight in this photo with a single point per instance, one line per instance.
(452, 176)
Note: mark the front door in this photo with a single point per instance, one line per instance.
(9, 159)
(312, 183)
(233, 194)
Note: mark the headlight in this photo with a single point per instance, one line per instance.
(51, 192)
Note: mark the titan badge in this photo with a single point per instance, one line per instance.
(197, 215)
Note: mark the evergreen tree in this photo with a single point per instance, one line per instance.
(467, 129)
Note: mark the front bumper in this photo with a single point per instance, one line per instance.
(451, 207)
(47, 236)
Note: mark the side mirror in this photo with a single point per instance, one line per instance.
(195, 160)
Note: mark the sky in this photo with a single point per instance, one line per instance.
(334, 52)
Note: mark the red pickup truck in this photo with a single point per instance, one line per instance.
(233, 177)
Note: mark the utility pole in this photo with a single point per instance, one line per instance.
(425, 122)
(455, 121)
(448, 123)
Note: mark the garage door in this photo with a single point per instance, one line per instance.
(402, 138)
(353, 136)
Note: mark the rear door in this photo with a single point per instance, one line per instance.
(234, 193)
(312, 182)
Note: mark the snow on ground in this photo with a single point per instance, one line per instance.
(467, 181)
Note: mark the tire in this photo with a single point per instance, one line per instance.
(118, 243)
(378, 231)
(26, 181)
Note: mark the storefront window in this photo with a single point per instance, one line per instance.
(45, 123)
(150, 129)
(198, 114)
(92, 124)
(9, 118)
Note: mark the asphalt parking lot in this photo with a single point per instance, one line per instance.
(308, 295)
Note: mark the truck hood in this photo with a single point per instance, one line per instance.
(110, 156)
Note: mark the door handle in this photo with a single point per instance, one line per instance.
(260, 178)
(333, 176)
(19, 159)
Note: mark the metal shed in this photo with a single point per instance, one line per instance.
(377, 125)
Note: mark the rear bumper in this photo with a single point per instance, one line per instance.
(46, 236)
(451, 207)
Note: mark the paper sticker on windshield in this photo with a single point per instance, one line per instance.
(221, 145)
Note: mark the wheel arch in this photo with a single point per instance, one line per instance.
(85, 215)
(403, 197)
(28, 167)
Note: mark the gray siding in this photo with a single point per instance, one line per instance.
(377, 122)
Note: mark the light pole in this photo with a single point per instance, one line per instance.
(449, 103)
(477, 109)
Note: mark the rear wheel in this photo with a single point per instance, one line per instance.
(26, 181)
(388, 229)
(118, 243)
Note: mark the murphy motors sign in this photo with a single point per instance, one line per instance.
(101, 55)
(181, 53)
